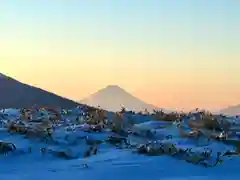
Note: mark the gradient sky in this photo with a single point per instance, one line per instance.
(171, 53)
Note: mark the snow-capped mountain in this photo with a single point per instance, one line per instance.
(113, 98)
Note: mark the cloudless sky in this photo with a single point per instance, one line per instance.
(171, 53)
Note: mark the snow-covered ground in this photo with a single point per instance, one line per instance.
(110, 162)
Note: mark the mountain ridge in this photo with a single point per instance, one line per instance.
(16, 94)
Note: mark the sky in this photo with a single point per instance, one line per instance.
(178, 54)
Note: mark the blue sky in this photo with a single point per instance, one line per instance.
(177, 26)
(195, 39)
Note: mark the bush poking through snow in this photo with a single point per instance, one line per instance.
(17, 128)
(97, 117)
(157, 149)
(160, 115)
(211, 123)
(117, 140)
(6, 147)
(117, 122)
(91, 151)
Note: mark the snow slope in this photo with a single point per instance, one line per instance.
(109, 163)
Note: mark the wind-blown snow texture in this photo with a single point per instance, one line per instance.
(110, 162)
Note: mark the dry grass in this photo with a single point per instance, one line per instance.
(117, 122)
(160, 115)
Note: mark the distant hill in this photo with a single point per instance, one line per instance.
(231, 110)
(113, 98)
(14, 94)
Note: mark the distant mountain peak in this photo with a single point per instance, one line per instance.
(113, 89)
(231, 110)
(113, 98)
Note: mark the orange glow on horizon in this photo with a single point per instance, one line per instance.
(172, 89)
